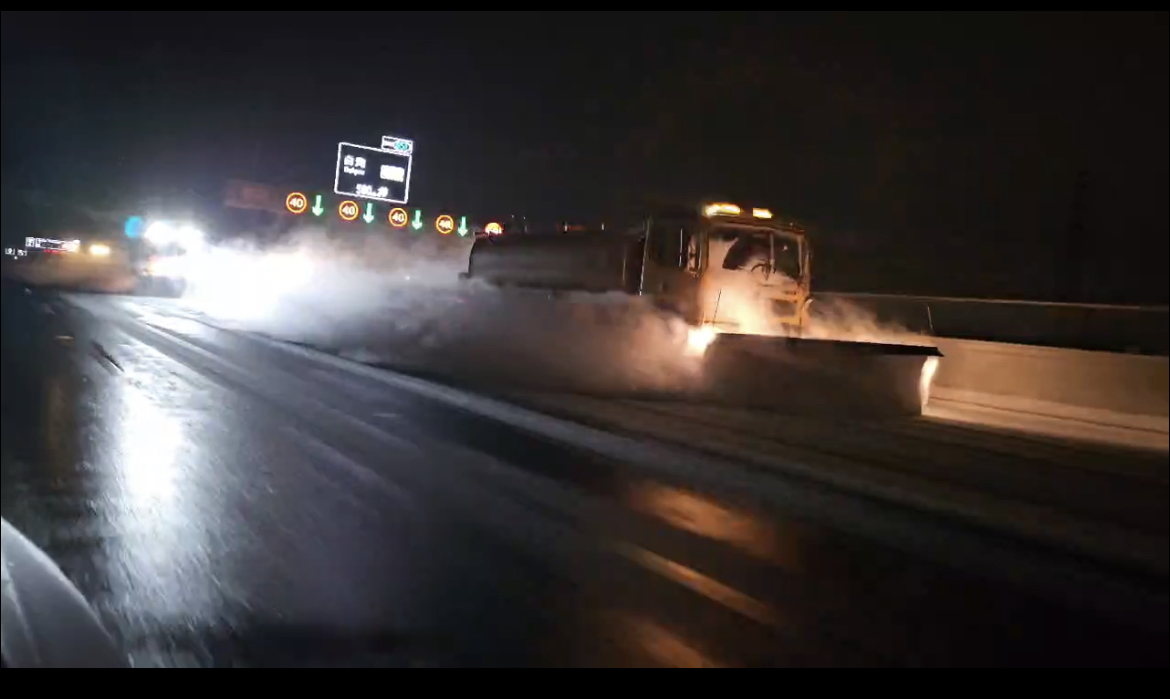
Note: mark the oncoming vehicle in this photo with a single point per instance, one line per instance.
(94, 264)
(163, 258)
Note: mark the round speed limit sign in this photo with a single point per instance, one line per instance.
(348, 210)
(296, 203)
(398, 218)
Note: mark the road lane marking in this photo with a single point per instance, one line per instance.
(662, 645)
(102, 353)
(363, 473)
(695, 581)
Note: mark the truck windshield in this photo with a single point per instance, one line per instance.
(758, 250)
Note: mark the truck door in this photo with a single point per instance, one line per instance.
(676, 258)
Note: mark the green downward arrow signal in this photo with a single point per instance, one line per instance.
(462, 226)
(417, 223)
(369, 217)
(317, 208)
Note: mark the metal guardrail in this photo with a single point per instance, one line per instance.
(1102, 327)
(999, 302)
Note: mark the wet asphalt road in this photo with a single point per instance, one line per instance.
(225, 503)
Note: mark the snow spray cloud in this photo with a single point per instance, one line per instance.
(399, 301)
(834, 318)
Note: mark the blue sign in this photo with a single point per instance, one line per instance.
(134, 227)
(394, 144)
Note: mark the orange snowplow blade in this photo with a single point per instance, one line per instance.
(829, 376)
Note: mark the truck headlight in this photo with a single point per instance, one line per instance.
(167, 233)
(173, 267)
(99, 250)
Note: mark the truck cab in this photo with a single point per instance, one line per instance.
(760, 277)
(737, 269)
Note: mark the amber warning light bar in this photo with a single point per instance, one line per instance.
(726, 209)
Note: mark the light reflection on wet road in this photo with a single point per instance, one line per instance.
(224, 503)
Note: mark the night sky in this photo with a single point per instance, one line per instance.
(931, 153)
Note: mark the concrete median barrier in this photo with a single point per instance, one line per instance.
(1096, 389)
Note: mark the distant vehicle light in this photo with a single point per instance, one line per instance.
(133, 227)
(761, 213)
(721, 209)
(99, 250)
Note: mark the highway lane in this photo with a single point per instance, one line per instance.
(225, 502)
(1107, 500)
